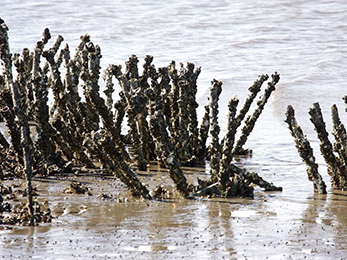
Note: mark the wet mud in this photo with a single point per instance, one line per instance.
(107, 223)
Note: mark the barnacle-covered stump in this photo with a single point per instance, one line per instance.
(326, 148)
(305, 151)
(251, 120)
(81, 129)
(335, 154)
(214, 149)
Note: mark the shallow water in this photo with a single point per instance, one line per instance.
(233, 41)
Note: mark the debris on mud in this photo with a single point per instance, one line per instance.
(15, 212)
(77, 188)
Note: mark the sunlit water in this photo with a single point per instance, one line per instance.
(233, 41)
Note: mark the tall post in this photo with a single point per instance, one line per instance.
(228, 144)
(251, 120)
(326, 148)
(214, 149)
(305, 151)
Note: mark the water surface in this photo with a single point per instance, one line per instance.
(233, 41)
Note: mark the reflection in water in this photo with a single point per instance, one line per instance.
(337, 207)
(219, 226)
(322, 232)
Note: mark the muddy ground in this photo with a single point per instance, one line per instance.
(109, 224)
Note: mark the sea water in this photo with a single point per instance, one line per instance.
(232, 41)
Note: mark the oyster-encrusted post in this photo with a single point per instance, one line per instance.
(146, 138)
(5, 55)
(182, 137)
(251, 120)
(228, 144)
(165, 94)
(101, 145)
(28, 156)
(90, 75)
(340, 145)
(254, 90)
(119, 113)
(108, 74)
(62, 119)
(84, 114)
(168, 152)
(203, 134)
(174, 98)
(214, 149)
(6, 97)
(40, 111)
(326, 148)
(252, 177)
(41, 115)
(192, 76)
(55, 48)
(8, 112)
(135, 102)
(27, 58)
(72, 98)
(158, 128)
(305, 151)
(132, 71)
(83, 63)
(21, 108)
(71, 77)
